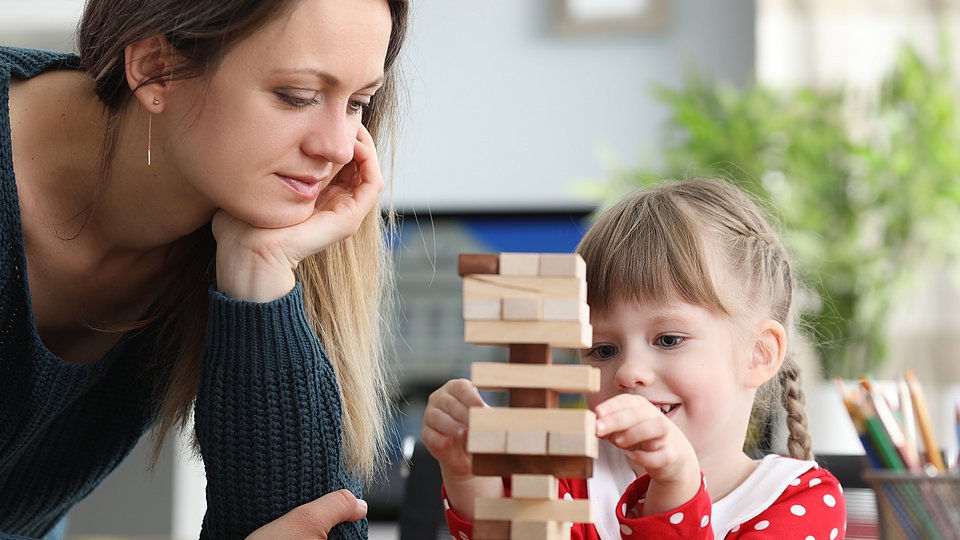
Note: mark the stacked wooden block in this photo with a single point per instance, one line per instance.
(529, 302)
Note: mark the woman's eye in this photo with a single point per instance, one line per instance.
(668, 341)
(603, 352)
(359, 106)
(297, 99)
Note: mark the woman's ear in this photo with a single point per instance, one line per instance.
(768, 352)
(148, 62)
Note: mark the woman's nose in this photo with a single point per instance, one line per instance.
(332, 137)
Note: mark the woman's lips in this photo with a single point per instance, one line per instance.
(305, 187)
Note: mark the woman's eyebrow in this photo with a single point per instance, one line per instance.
(326, 77)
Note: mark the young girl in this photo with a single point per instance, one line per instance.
(691, 299)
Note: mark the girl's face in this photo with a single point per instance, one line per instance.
(280, 116)
(684, 359)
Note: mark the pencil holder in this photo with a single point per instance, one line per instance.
(916, 506)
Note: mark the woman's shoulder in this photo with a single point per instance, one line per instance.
(25, 63)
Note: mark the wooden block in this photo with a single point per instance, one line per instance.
(530, 353)
(522, 309)
(562, 264)
(534, 486)
(539, 530)
(526, 442)
(565, 310)
(482, 309)
(478, 263)
(572, 444)
(578, 421)
(570, 335)
(486, 442)
(534, 398)
(507, 464)
(571, 379)
(491, 530)
(576, 510)
(519, 264)
(499, 286)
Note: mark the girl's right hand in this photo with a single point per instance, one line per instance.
(445, 427)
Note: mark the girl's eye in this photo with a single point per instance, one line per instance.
(668, 341)
(603, 352)
(298, 99)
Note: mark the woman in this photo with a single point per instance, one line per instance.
(187, 206)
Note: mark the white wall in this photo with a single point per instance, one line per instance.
(506, 113)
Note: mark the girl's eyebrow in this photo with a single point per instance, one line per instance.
(326, 77)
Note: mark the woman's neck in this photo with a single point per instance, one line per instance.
(140, 208)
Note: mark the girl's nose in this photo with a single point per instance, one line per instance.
(635, 371)
(331, 138)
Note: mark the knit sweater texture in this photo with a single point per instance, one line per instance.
(268, 412)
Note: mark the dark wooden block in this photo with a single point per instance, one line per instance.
(478, 263)
(507, 464)
(534, 397)
(530, 353)
(491, 530)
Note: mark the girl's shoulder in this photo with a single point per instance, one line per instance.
(779, 485)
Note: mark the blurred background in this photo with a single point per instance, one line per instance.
(525, 116)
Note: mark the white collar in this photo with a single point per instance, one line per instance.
(755, 494)
(611, 476)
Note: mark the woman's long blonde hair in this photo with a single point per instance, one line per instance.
(655, 244)
(344, 286)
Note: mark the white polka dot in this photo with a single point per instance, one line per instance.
(796, 482)
(829, 500)
(446, 504)
(737, 528)
(464, 536)
(833, 534)
(567, 497)
(798, 510)
(625, 529)
(762, 525)
(624, 509)
(676, 518)
(815, 482)
(840, 488)
(704, 521)
(809, 538)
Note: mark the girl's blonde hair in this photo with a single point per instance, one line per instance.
(707, 243)
(344, 286)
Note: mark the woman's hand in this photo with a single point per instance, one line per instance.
(257, 264)
(656, 445)
(314, 519)
(445, 436)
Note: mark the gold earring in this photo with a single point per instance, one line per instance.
(156, 101)
(149, 137)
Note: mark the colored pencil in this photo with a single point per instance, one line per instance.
(923, 421)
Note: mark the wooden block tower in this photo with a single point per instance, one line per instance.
(529, 302)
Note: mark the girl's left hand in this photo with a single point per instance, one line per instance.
(655, 444)
(257, 264)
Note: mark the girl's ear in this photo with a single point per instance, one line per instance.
(147, 63)
(769, 350)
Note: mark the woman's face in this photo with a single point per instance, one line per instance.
(279, 117)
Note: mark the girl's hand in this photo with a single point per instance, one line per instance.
(257, 264)
(445, 435)
(655, 444)
(314, 519)
(445, 427)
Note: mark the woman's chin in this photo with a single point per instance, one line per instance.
(277, 220)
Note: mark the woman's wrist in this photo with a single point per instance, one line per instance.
(253, 278)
